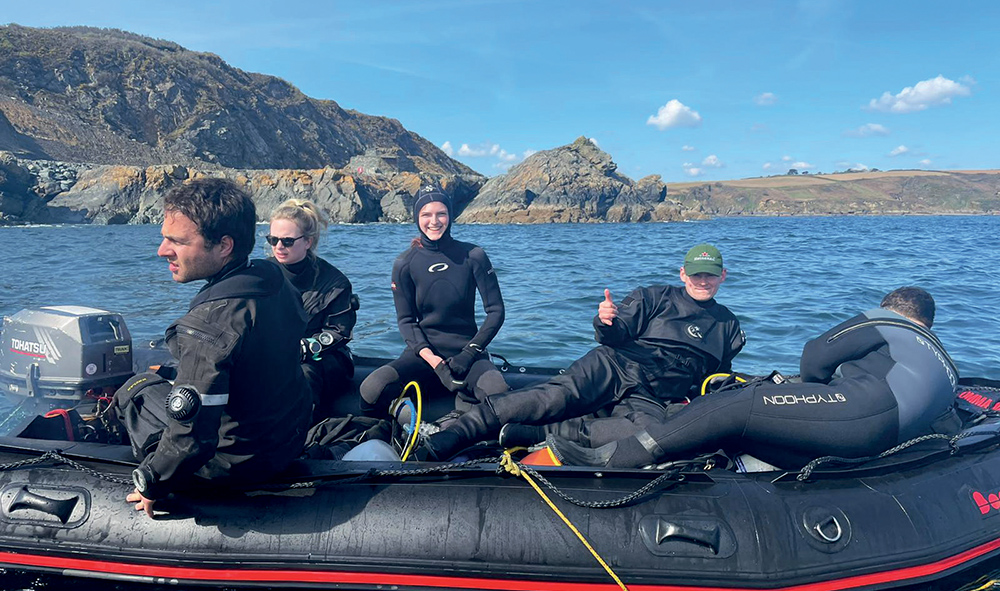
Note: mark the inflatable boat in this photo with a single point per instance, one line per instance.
(924, 515)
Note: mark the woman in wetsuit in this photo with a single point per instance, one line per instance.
(326, 296)
(434, 285)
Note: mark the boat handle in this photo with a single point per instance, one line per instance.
(62, 509)
(838, 532)
(703, 537)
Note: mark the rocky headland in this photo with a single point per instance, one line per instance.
(895, 192)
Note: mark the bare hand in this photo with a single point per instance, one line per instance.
(430, 357)
(141, 502)
(607, 311)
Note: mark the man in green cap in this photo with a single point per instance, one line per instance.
(657, 346)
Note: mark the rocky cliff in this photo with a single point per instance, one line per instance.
(41, 191)
(574, 183)
(110, 97)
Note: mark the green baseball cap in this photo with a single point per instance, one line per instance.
(703, 258)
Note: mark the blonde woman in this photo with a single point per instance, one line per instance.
(327, 297)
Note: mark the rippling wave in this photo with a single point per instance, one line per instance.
(789, 278)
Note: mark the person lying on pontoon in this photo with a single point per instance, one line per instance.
(868, 384)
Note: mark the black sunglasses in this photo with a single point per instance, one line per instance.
(286, 242)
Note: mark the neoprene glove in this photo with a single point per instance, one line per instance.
(460, 363)
(447, 378)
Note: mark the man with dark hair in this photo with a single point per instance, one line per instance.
(221, 208)
(869, 383)
(912, 302)
(238, 408)
(658, 344)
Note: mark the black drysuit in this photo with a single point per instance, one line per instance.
(237, 348)
(662, 343)
(332, 313)
(867, 384)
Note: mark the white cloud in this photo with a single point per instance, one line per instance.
(767, 166)
(687, 148)
(486, 150)
(786, 158)
(482, 150)
(920, 96)
(594, 141)
(447, 149)
(503, 155)
(692, 170)
(925, 162)
(465, 150)
(802, 165)
(899, 150)
(712, 161)
(868, 130)
(766, 99)
(674, 114)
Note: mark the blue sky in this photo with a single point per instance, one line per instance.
(687, 90)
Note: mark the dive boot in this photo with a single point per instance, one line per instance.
(624, 453)
(478, 424)
(518, 435)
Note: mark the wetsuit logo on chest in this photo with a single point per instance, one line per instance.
(437, 267)
(694, 332)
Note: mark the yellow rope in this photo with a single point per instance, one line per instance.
(514, 468)
(704, 384)
(988, 585)
(416, 426)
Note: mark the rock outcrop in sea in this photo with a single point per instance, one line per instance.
(578, 182)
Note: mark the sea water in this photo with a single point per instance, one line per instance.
(789, 280)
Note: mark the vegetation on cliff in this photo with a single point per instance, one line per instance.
(109, 97)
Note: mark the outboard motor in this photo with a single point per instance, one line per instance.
(63, 352)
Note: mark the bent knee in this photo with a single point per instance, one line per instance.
(374, 387)
(488, 384)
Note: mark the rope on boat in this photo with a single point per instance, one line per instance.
(952, 440)
(57, 457)
(672, 475)
(508, 464)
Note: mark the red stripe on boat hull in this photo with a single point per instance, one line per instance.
(251, 576)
